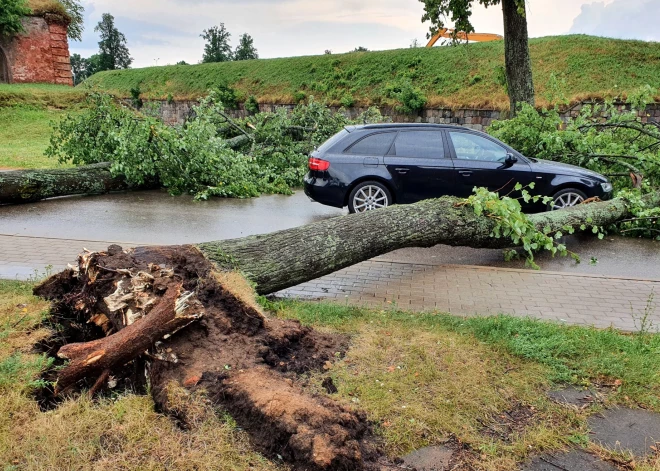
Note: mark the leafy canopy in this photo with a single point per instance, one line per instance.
(76, 14)
(217, 48)
(11, 14)
(245, 49)
(113, 52)
(458, 11)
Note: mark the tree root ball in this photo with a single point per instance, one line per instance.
(200, 329)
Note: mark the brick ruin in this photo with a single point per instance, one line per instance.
(38, 55)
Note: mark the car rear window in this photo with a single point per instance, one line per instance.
(333, 140)
(374, 144)
(420, 144)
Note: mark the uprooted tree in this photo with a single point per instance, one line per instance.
(188, 313)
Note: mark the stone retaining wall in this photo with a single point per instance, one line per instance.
(177, 111)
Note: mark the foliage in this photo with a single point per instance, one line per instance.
(11, 14)
(459, 11)
(83, 68)
(591, 67)
(412, 99)
(252, 105)
(226, 95)
(360, 49)
(604, 137)
(511, 222)
(245, 49)
(113, 53)
(76, 13)
(217, 48)
(195, 157)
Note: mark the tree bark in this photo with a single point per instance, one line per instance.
(516, 54)
(287, 258)
(28, 186)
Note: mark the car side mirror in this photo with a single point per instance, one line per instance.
(509, 161)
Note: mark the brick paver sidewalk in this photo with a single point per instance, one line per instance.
(22, 257)
(467, 290)
(458, 289)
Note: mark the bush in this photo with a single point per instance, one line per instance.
(227, 96)
(411, 98)
(252, 105)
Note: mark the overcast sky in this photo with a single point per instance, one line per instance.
(163, 32)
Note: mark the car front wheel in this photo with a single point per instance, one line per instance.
(368, 196)
(567, 198)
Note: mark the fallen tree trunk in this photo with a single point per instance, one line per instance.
(287, 258)
(28, 186)
(239, 357)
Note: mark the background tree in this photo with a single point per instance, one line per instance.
(217, 48)
(83, 68)
(11, 14)
(516, 39)
(76, 12)
(360, 49)
(245, 49)
(113, 52)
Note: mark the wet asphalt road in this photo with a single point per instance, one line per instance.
(154, 217)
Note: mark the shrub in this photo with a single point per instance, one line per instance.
(411, 98)
(252, 105)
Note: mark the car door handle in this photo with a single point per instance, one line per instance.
(402, 171)
(465, 173)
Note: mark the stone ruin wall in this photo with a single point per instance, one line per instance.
(39, 55)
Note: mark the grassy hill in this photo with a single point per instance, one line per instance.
(26, 114)
(586, 67)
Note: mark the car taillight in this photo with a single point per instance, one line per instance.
(318, 164)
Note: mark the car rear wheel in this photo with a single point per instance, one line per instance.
(567, 198)
(367, 196)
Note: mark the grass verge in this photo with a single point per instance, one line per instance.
(423, 379)
(24, 136)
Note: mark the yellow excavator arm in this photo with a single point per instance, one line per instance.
(449, 33)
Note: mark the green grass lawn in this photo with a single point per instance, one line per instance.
(584, 66)
(24, 136)
(26, 114)
(421, 379)
(41, 95)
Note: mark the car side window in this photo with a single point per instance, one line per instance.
(374, 144)
(472, 147)
(420, 144)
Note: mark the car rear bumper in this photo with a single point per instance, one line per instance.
(322, 191)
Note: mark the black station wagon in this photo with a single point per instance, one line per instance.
(374, 166)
